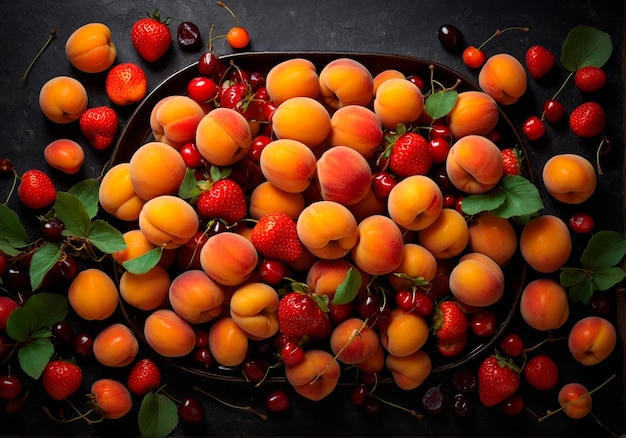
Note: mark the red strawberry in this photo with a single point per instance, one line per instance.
(449, 320)
(151, 36)
(225, 200)
(512, 161)
(61, 379)
(539, 61)
(240, 98)
(275, 236)
(36, 189)
(454, 346)
(301, 314)
(143, 377)
(99, 125)
(410, 155)
(588, 119)
(589, 79)
(498, 379)
(541, 372)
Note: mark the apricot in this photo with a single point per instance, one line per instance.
(303, 119)
(254, 308)
(267, 198)
(90, 48)
(145, 291)
(65, 155)
(474, 113)
(325, 276)
(174, 120)
(117, 195)
(288, 164)
(356, 127)
(296, 77)
(168, 221)
(503, 77)
(228, 258)
(223, 136)
(545, 243)
(327, 229)
(569, 178)
(378, 249)
(195, 297)
(410, 371)
(477, 280)
(63, 99)
(156, 169)
(493, 236)
(113, 399)
(387, 74)
(316, 376)
(368, 206)
(447, 237)
(136, 246)
(168, 334)
(474, 164)
(417, 262)
(398, 101)
(344, 175)
(353, 341)
(591, 340)
(404, 333)
(345, 81)
(544, 304)
(115, 346)
(228, 342)
(415, 202)
(93, 295)
(575, 399)
(373, 364)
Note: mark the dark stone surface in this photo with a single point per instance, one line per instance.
(401, 27)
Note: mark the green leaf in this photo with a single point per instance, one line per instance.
(21, 323)
(158, 416)
(34, 356)
(105, 237)
(521, 197)
(606, 278)
(49, 308)
(348, 288)
(72, 212)
(145, 262)
(189, 189)
(572, 276)
(87, 192)
(585, 46)
(441, 103)
(581, 293)
(13, 235)
(605, 249)
(44, 259)
(489, 201)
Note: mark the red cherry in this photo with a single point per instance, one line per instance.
(339, 312)
(268, 109)
(534, 128)
(494, 136)
(191, 155)
(359, 394)
(418, 81)
(83, 345)
(62, 334)
(483, 323)
(581, 223)
(202, 338)
(209, 64)
(440, 131)
(7, 306)
(4, 263)
(277, 401)
(258, 143)
(203, 355)
(458, 205)
(448, 201)
(512, 345)
(202, 89)
(10, 387)
(190, 410)
(52, 230)
(513, 405)
(66, 269)
(382, 183)
(254, 369)
(272, 272)
(553, 111)
(439, 148)
(291, 353)
(473, 57)
(6, 166)
(257, 83)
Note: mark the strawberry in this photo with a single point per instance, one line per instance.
(302, 314)
(126, 84)
(240, 98)
(61, 379)
(224, 199)
(512, 161)
(539, 61)
(151, 36)
(498, 379)
(454, 346)
(541, 372)
(588, 119)
(449, 320)
(99, 125)
(589, 79)
(143, 377)
(410, 155)
(36, 189)
(275, 236)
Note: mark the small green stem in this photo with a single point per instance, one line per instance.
(498, 32)
(53, 34)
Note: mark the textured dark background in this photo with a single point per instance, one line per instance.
(401, 27)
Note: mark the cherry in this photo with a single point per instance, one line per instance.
(600, 305)
(16, 277)
(188, 256)
(440, 176)
(272, 272)
(449, 201)
(66, 269)
(188, 36)
(6, 165)
(291, 353)
(6, 347)
(553, 110)
(462, 405)
(277, 401)
(359, 394)
(203, 355)
(512, 345)
(581, 223)
(464, 381)
(374, 309)
(414, 301)
(209, 64)
(4, 263)
(202, 89)
(191, 155)
(52, 230)
(238, 37)
(439, 148)
(534, 128)
(7, 306)
(434, 400)
(458, 205)
(473, 57)
(254, 369)
(418, 81)
(450, 37)
(258, 144)
(513, 405)
(10, 387)
(440, 131)
(339, 312)
(190, 410)
(62, 335)
(83, 345)
(372, 406)
(483, 323)
(268, 109)
(257, 84)
(382, 183)
(494, 136)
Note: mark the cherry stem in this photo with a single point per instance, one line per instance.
(222, 5)
(602, 425)
(402, 408)
(598, 150)
(561, 88)
(13, 185)
(498, 32)
(548, 339)
(53, 34)
(248, 408)
(571, 402)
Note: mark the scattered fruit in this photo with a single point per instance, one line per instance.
(238, 36)
(126, 84)
(450, 37)
(539, 61)
(188, 36)
(36, 189)
(143, 377)
(151, 36)
(498, 379)
(588, 119)
(589, 79)
(61, 379)
(100, 126)
(541, 372)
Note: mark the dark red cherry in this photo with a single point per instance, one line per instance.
(190, 410)
(209, 64)
(450, 37)
(10, 387)
(277, 401)
(83, 345)
(188, 36)
(52, 230)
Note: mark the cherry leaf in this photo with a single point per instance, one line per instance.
(489, 201)
(572, 276)
(105, 237)
(13, 235)
(581, 293)
(44, 259)
(585, 46)
(348, 288)
(71, 211)
(35, 355)
(21, 323)
(605, 279)
(87, 192)
(439, 104)
(48, 308)
(145, 262)
(158, 415)
(605, 249)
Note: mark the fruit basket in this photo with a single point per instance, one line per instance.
(137, 132)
